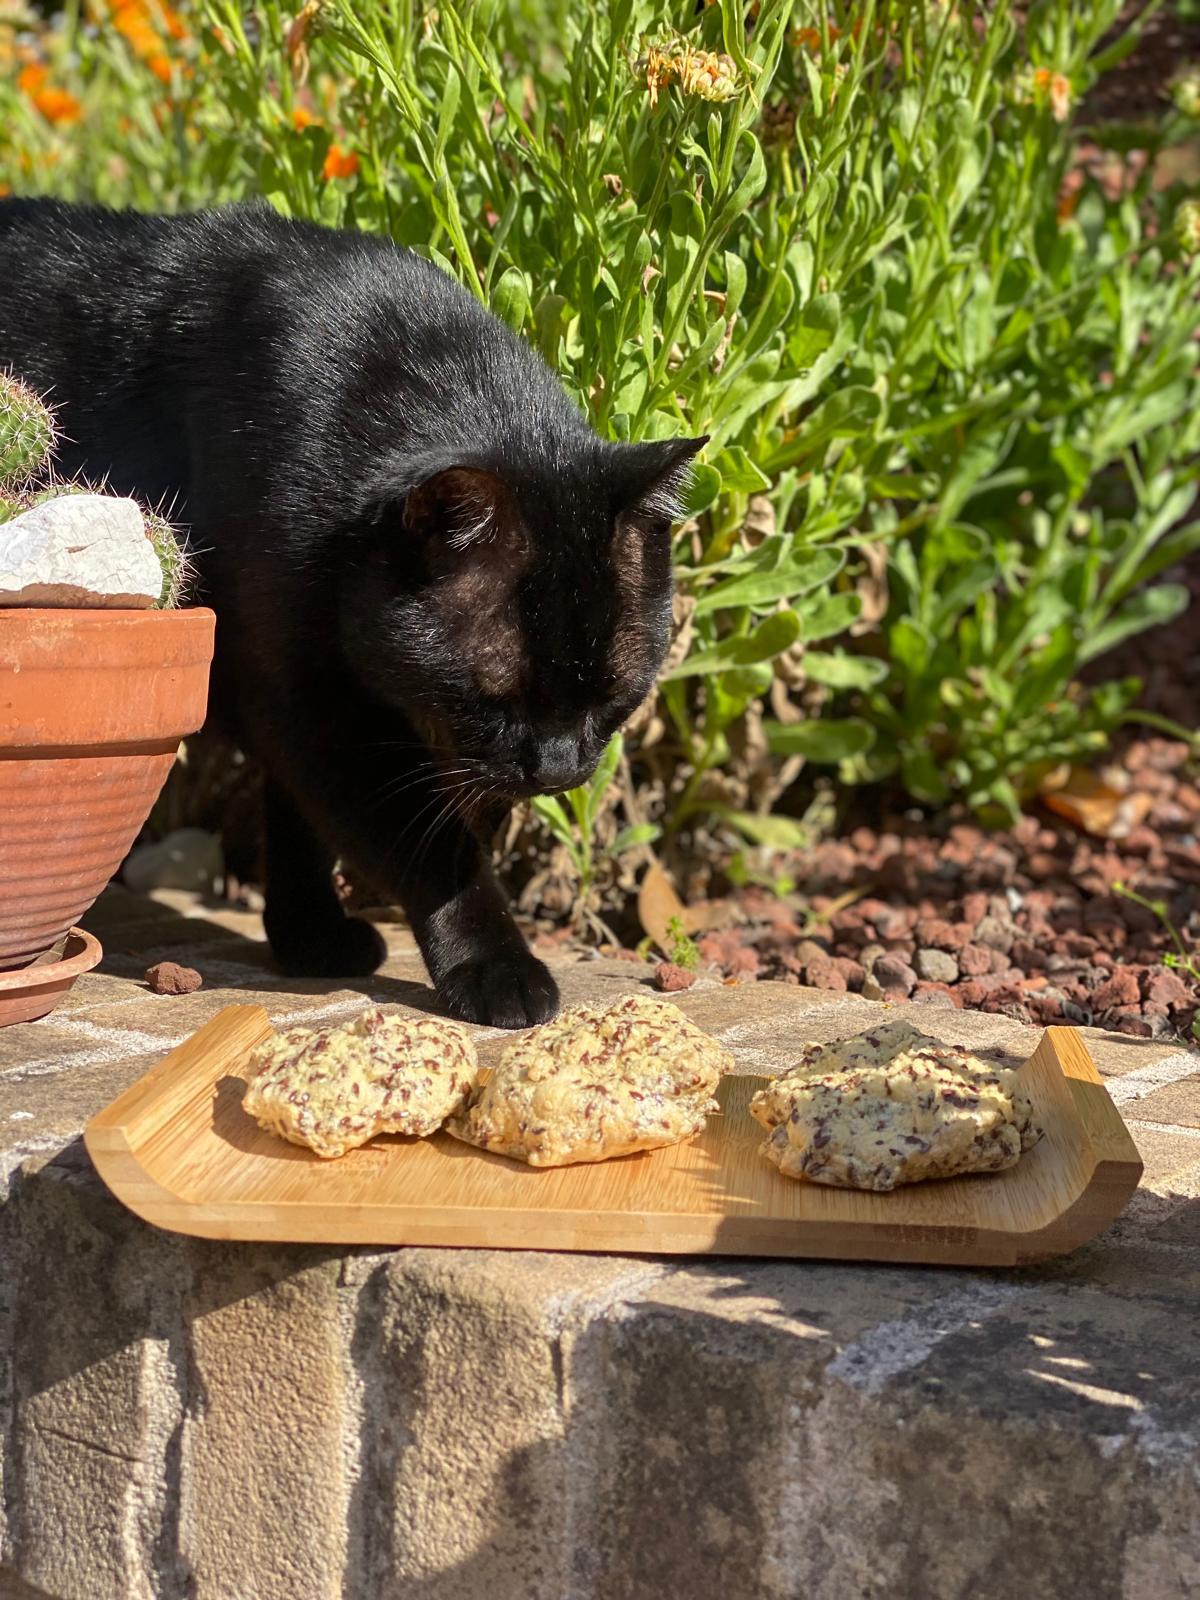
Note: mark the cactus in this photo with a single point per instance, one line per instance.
(10, 506)
(172, 558)
(27, 435)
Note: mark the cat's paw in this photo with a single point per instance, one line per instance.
(508, 992)
(347, 948)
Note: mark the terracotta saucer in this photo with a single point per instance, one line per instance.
(32, 991)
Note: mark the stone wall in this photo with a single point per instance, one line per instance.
(186, 1420)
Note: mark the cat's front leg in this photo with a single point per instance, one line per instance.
(415, 848)
(311, 936)
(480, 964)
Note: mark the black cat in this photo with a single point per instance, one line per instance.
(437, 589)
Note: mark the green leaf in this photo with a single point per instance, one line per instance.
(1149, 608)
(449, 108)
(511, 299)
(739, 475)
(798, 574)
(772, 636)
(828, 615)
(923, 777)
(629, 838)
(776, 833)
(704, 485)
(603, 775)
(842, 671)
(551, 812)
(825, 742)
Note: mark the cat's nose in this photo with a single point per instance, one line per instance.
(556, 765)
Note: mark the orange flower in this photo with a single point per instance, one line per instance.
(303, 118)
(31, 78)
(160, 66)
(340, 163)
(58, 105)
(135, 27)
(1068, 199)
(810, 38)
(173, 23)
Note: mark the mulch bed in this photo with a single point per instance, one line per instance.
(1024, 922)
(1027, 921)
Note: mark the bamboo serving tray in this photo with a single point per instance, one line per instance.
(178, 1150)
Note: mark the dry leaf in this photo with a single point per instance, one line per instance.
(872, 589)
(658, 904)
(1094, 805)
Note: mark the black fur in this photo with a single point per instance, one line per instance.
(436, 588)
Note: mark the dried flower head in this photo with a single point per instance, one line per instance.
(778, 123)
(1185, 91)
(295, 46)
(701, 73)
(1187, 227)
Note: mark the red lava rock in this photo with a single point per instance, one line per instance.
(1166, 988)
(1042, 866)
(721, 948)
(872, 910)
(168, 977)
(670, 979)
(937, 994)
(869, 955)
(811, 949)
(936, 966)
(894, 976)
(1023, 954)
(995, 934)
(942, 935)
(1134, 1023)
(848, 919)
(893, 924)
(744, 963)
(1122, 989)
(974, 907)
(821, 973)
(976, 959)
(853, 971)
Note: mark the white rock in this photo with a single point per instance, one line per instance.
(188, 858)
(78, 550)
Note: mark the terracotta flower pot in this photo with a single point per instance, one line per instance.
(93, 705)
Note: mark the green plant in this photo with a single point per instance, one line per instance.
(32, 439)
(1181, 959)
(26, 435)
(851, 241)
(684, 951)
(571, 820)
(172, 558)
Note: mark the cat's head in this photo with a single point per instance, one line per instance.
(518, 614)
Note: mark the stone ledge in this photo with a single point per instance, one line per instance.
(194, 1421)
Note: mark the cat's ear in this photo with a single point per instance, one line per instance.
(654, 477)
(461, 508)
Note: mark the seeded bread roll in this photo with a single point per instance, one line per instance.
(893, 1106)
(383, 1073)
(880, 1046)
(597, 1083)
